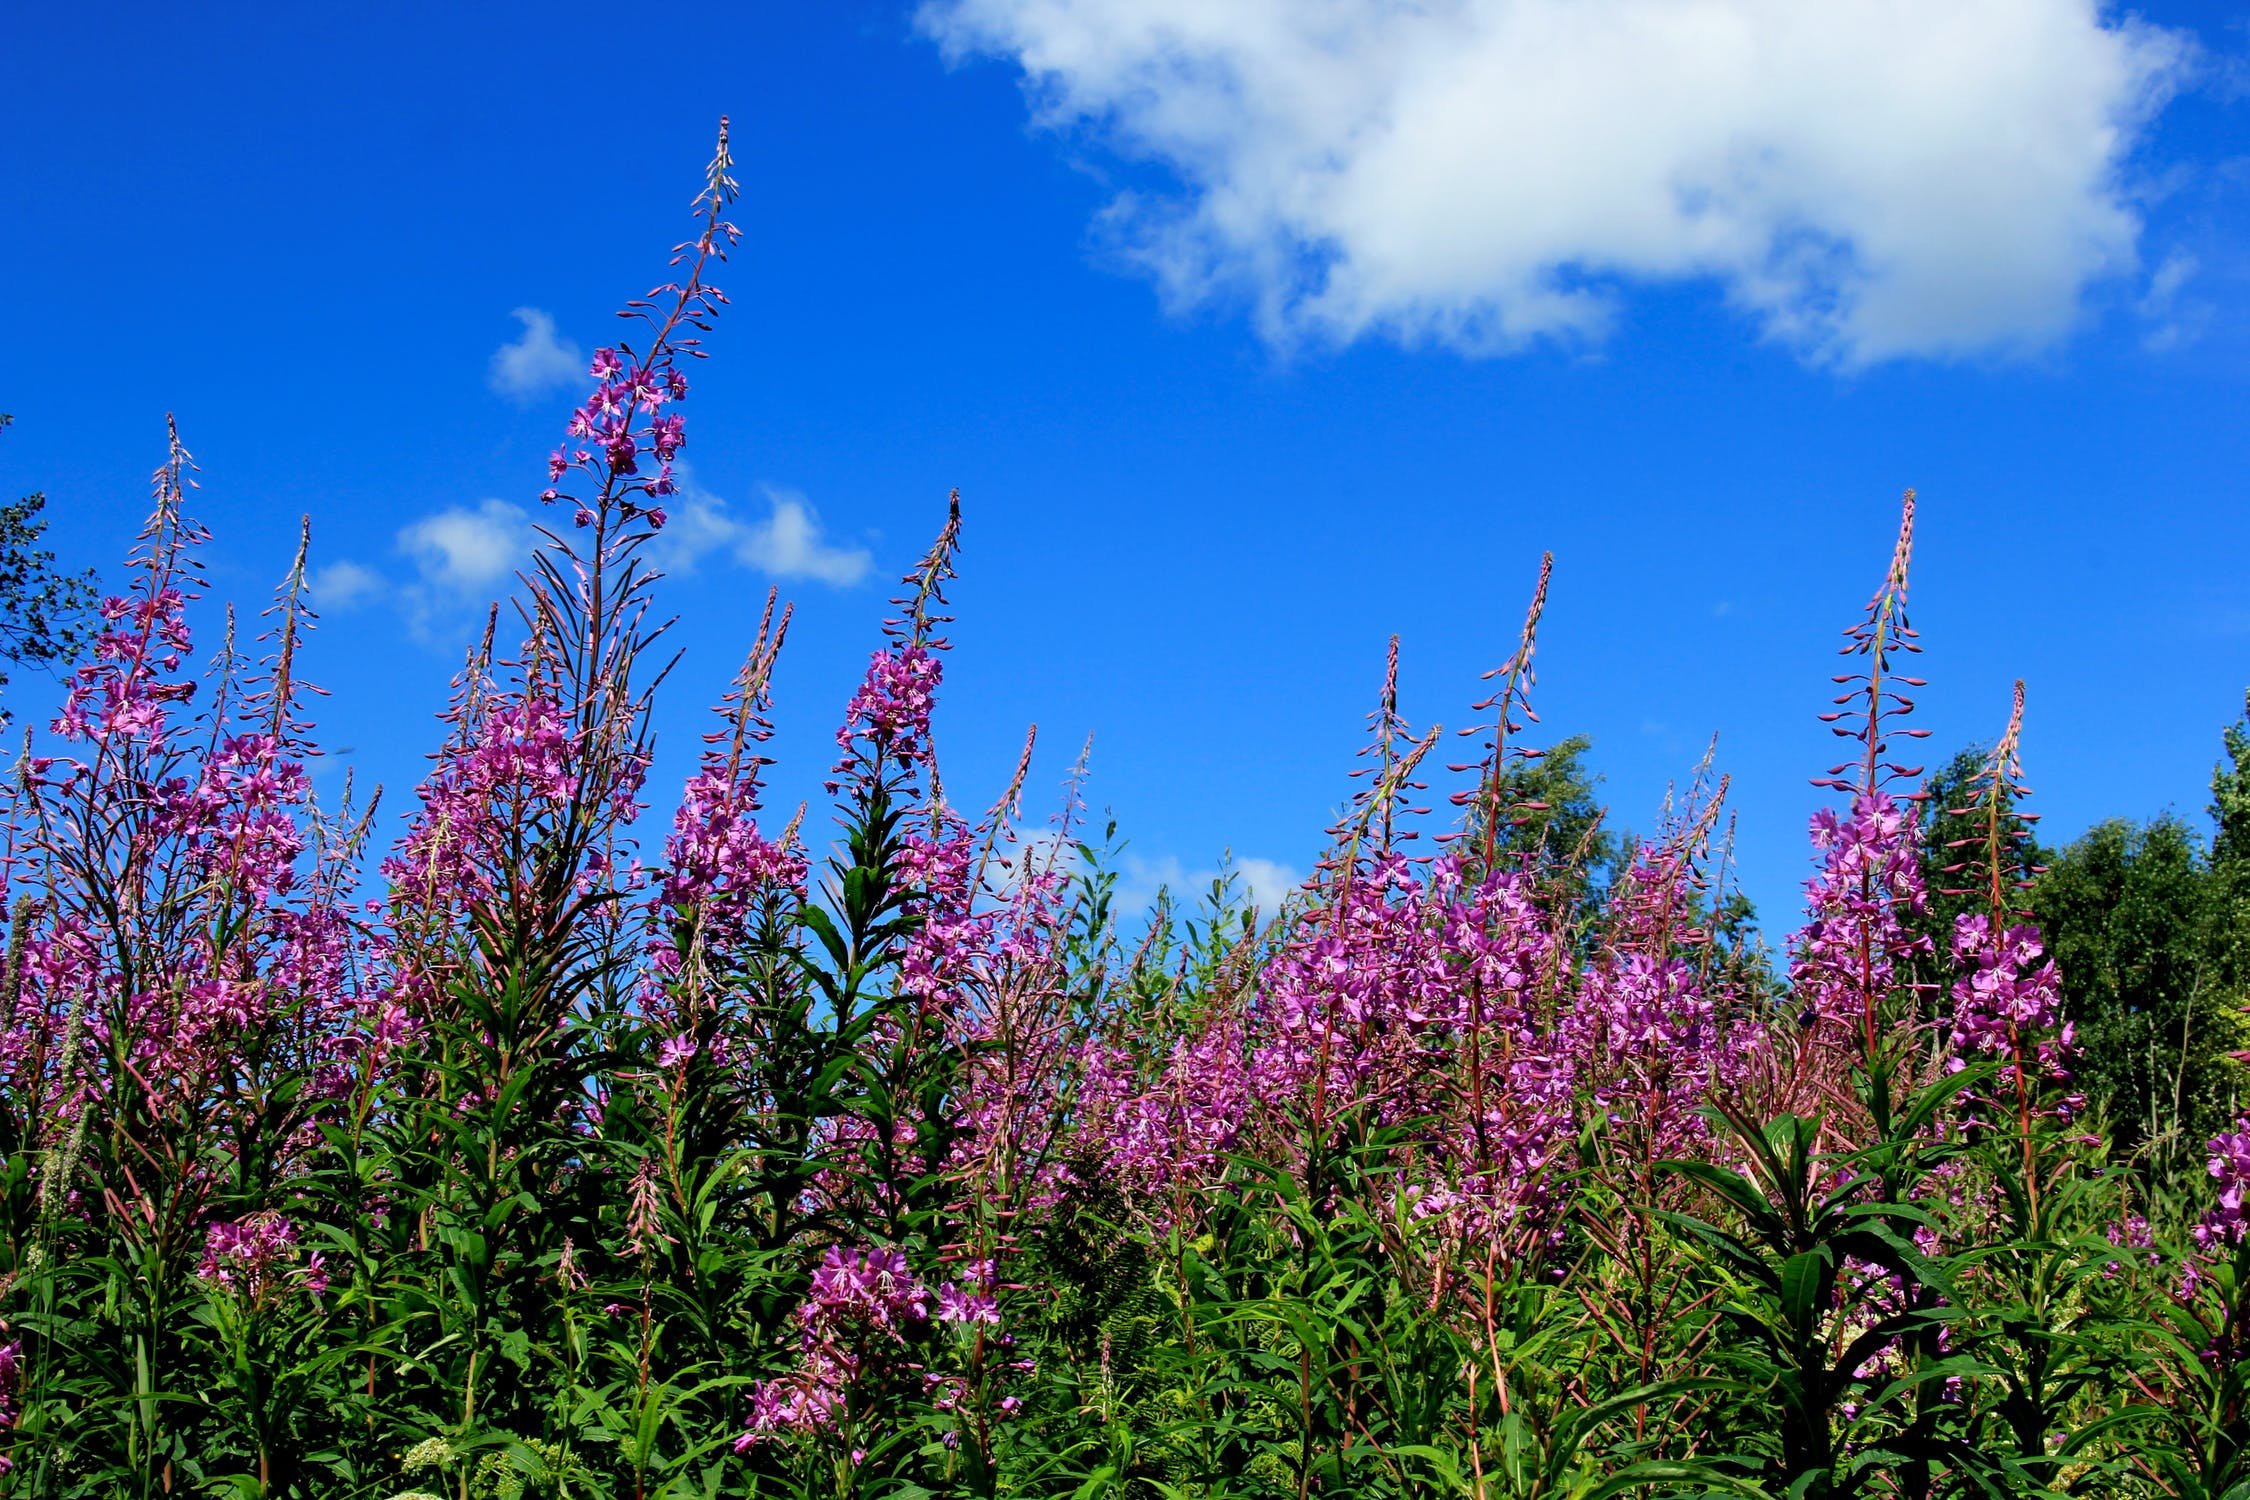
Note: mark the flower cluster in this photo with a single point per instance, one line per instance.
(955, 930)
(866, 1289)
(972, 1299)
(236, 822)
(2224, 1222)
(865, 1308)
(606, 417)
(999, 987)
(121, 695)
(1164, 1130)
(1428, 1001)
(716, 861)
(865, 1322)
(1846, 959)
(1651, 1040)
(613, 446)
(2132, 1232)
(887, 722)
(1418, 994)
(972, 1307)
(1651, 1048)
(11, 1381)
(2007, 1003)
(260, 1259)
(518, 760)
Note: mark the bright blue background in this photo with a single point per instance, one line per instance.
(304, 231)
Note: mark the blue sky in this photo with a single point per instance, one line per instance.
(1248, 341)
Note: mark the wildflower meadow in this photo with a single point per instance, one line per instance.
(598, 1138)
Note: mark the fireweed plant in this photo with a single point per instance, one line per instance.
(562, 1150)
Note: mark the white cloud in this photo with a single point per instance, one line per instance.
(1264, 883)
(463, 555)
(2175, 320)
(467, 549)
(537, 362)
(343, 584)
(1268, 881)
(1865, 178)
(788, 543)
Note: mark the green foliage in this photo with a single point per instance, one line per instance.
(45, 614)
(1559, 821)
(2227, 904)
(1842, 1357)
(2150, 927)
(2127, 913)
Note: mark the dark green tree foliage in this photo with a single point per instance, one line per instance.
(2229, 902)
(2153, 935)
(45, 615)
(2151, 930)
(1560, 821)
(2127, 914)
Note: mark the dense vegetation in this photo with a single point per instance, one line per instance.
(538, 1160)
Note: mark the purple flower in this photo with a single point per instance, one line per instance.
(1845, 960)
(970, 1300)
(891, 710)
(260, 1259)
(2006, 1003)
(2229, 1164)
(11, 1381)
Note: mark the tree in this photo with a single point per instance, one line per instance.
(46, 616)
(1559, 816)
(2152, 933)
(2229, 903)
(2151, 930)
(2127, 915)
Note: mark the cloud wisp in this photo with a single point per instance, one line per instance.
(1262, 883)
(1865, 179)
(789, 543)
(538, 361)
(344, 584)
(2174, 317)
(468, 549)
(464, 557)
